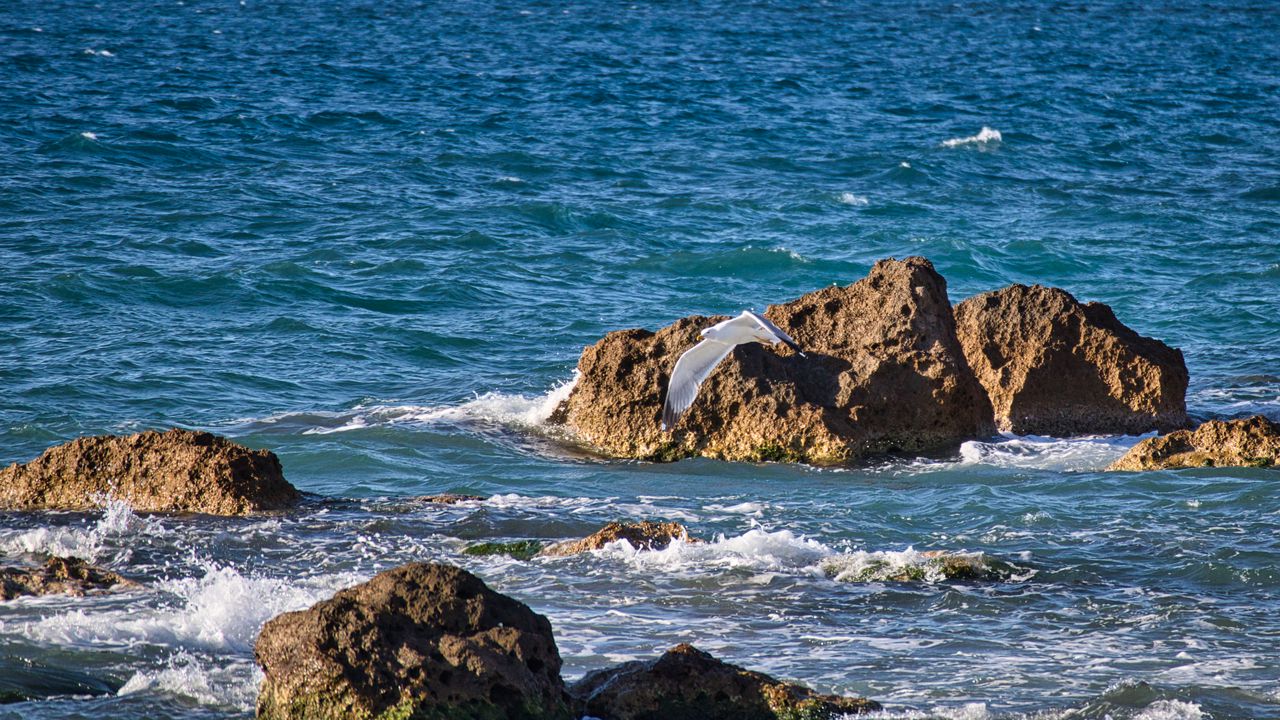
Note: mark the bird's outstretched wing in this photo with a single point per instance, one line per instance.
(776, 331)
(691, 369)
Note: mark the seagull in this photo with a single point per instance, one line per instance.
(698, 361)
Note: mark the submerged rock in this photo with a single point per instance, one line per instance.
(884, 372)
(1054, 366)
(58, 576)
(421, 640)
(448, 499)
(688, 684)
(910, 566)
(643, 535)
(173, 471)
(1253, 442)
(519, 549)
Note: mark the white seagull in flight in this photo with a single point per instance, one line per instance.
(698, 361)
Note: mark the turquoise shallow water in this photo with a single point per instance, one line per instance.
(375, 237)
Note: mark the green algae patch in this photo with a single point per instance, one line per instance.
(520, 549)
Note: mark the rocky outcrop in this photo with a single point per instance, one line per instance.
(884, 373)
(643, 535)
(1253, 442)
(58, 576)
(1054, 366)
(448, 499)
(174, 471)
(688, 684)
(422, 640)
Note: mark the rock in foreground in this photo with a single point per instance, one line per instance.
(58, 576)
(688, 684)
(174, 471)
(422, 640)
(643, 535)
(1054, 366)
(1254, 442)
(884, 373)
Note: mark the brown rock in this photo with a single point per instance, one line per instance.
(174, 471)
(1254, 442)
(422, 640)
(688, 684)
(59, 575)
(884, 373)
(643, 535)
(1053, 366)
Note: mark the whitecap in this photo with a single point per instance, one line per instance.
(99, 53)
(222, 610)
(89, 136)
(849, 198)
(89, 543)
(985, 137)
(520, 411)
(187, 675)
(1048, 453)
(1170, 710)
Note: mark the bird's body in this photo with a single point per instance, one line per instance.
(718, 341)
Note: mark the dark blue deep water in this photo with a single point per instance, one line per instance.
(373, 237)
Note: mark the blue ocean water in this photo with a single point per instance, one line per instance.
(374, 237)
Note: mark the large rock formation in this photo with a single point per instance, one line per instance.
(1254, 442)
(884, 373)
(422, 640)
(58, 576)
(174, 471)
(1054, 366)
(643, 535)
(688, 684)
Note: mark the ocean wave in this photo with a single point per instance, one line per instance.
(986, 136)
(1047, 453)
(91, 543)
(848, 198)
(187, 675)
(513, 410)
(223, 610)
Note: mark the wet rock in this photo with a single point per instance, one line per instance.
(1253, 442)
(688, 684)
(58, 576)
(1054, 366)
(421, 640)
(173, 471)
(643, 535)
(884, 372)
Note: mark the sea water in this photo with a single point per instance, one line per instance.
(374, 238)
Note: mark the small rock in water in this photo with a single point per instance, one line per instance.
(688, 684)
(59, 575)
(1252, 442)
(643, 535)
(421, 640)
(173, 471)
(1055, 366)
(520, 549)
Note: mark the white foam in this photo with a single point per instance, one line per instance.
(882, 565)
(757, 550)
(222, 610)
(1047, 453)
(185, 675)
(1170, 710)
(89, 136)
(521, 411)
(849, 198)
(99, 53)
(985, 137)
(90, 543)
